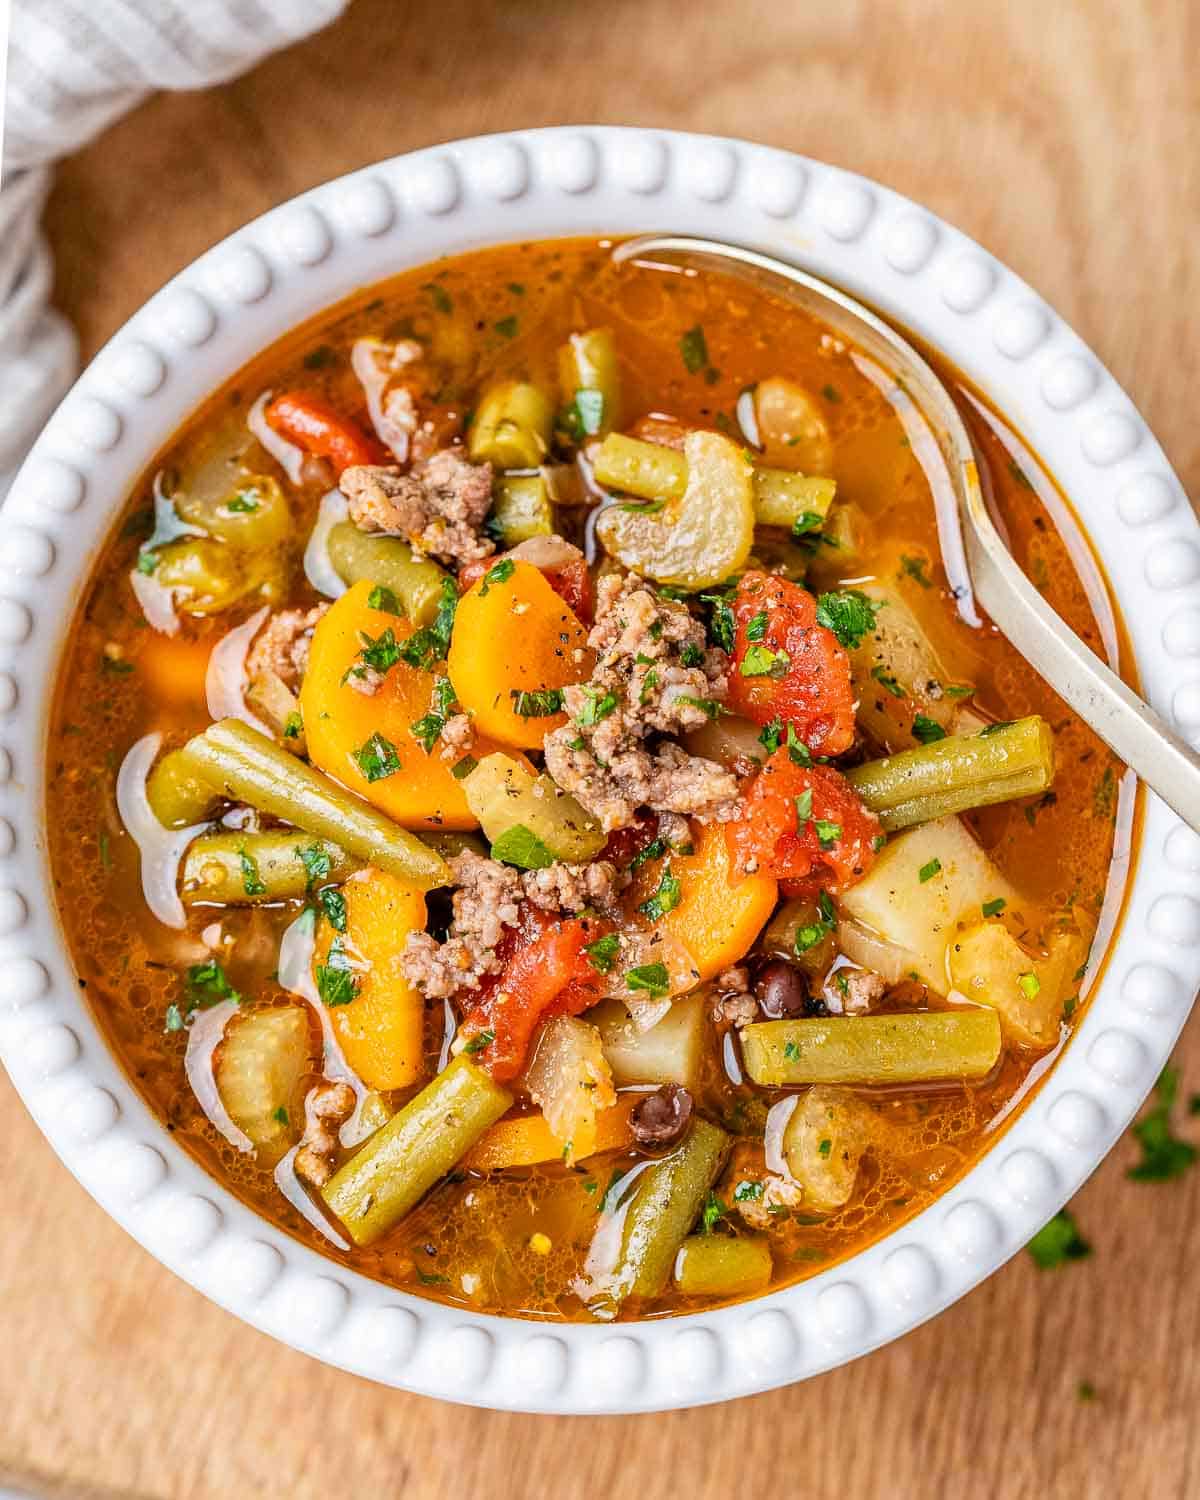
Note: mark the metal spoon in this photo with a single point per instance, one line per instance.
(982, 570)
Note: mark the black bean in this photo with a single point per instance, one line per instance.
(662, 1117)
(781, 990)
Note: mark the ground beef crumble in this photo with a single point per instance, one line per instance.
(654, 674)
(438, 506)
(486, 903)
(282, 645)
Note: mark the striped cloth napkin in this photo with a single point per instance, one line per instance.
(74, 66)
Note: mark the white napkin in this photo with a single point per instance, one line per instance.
(73, 67)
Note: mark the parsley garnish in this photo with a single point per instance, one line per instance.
(914, 568)
(771, 735)
(655, 849)
(927, 872)
(499, 572)
(539, 704)
(1029, 984)
(383, 599)
(926, 730)
(507, 327)
(377, 758)
(665, 899)
(721, 625)
(598, 706)
(1058, 1242)
(691, 655)
(649, 683)
(708, 706)
(381, 653)
(694, 349)
(602, 954)
(479, 1041)
(747, 1192)
(803, 809)
(333, 903)
(761, 661)
(244, 503)
(316, 861)
(756, 627)
(336, 980)
(1164, 1155)
(519, 845)
(439, 296)
(431, 642)
(994, 907)
(887, 681)
(791, 1050)
(653, 978)
(812, 933)
(461, 769)
(204, 985)
(828, 833)
(712, 1213)
(427, 729)
(293, 726)
(252, 882)
(849, 614)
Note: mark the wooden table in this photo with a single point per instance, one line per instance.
(1064, 137)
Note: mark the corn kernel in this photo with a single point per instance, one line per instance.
(540, 1244)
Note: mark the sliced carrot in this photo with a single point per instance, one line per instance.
(172, 670)
(347, 730)
(718, 916)
(525, 1140)
(382, 1030)
(312, 424)
(515, 644)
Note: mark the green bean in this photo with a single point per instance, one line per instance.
(954, 774)
(512, 426)
(254, 515)
(782, 497)
(210, 576)
(909, 1047)
(521, 508)
(648, 470)
(178, 795)
(654, 472)
(389, 562)
(398, 1165)
(448, 842)
(664, 1205)
(248, 767)
(720, 1265)
(587, 363)
(233, 869)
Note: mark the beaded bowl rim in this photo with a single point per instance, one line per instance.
(304, 256)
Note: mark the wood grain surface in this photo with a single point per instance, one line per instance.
(1064, 136)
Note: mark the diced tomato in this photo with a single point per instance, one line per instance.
(546, 972)
(787, 667)
(312, 424)
(806, 826)
(572, 583)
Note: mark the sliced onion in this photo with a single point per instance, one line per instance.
(289, 458)
(375, 378)
(225, 679)
(157, 602)
(205, 1030)
(605, 1248)
(295, 974)
(302, 1201)
(779, 1117)
(318, 568)
(747, 417)
(161, 848)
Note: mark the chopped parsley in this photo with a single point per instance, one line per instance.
(1029, 985)
(252, 881)
(887, 682)
(812, 933)
(666, 898)
(429, 644)
(537, 704)
(244, 503)
(316, 861)
(597, 707)
(1058, 1242)
(926, 730)
(761, 661)
(652, 978)
(499, 572)
(914, 568)
(655, 849)
(333, 903)
(337, 983)
(747, 1192)
(691, 655)
(708, 706)
(507, 327)
(927, 872)
(383, 599)
(849, 614)
(280, 1116)
(479, 1041)
(428, 728)
(204, 985)
(439, 296)
(713, 1212)
(721, 625)
(825, 1147)
(1164, 1155)
(806, 529)
(694, 350)
(756, 628)
(293, 726)
(377, 758)
(994, 907)
(520, 846)
(996, 728)
(791, 1050)
(602, 954)
(803, 809)
(828, 833)
(461, 769)
(771, 735)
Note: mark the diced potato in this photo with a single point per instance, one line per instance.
(905, 1047)
(529, 820)
(824, 1143)
(670, 1052)
(260, 1067)
(923, 885)
(720, 1265)
(696, 541)
(989, 966)
(570, 1078)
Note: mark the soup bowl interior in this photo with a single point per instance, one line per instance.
(289, 266)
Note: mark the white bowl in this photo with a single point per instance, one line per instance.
(302, 257)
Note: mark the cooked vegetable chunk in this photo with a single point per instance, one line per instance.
(718, 1265)
(260, 1067)
(511, 427)
(387, 562)
(1029, 990)
(914, 1047)
(671, 1051)
(528, 819)
(823, 1144)
(248, 868)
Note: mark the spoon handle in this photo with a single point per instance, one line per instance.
(1126, 723)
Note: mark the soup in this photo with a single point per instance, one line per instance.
(529, 815)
